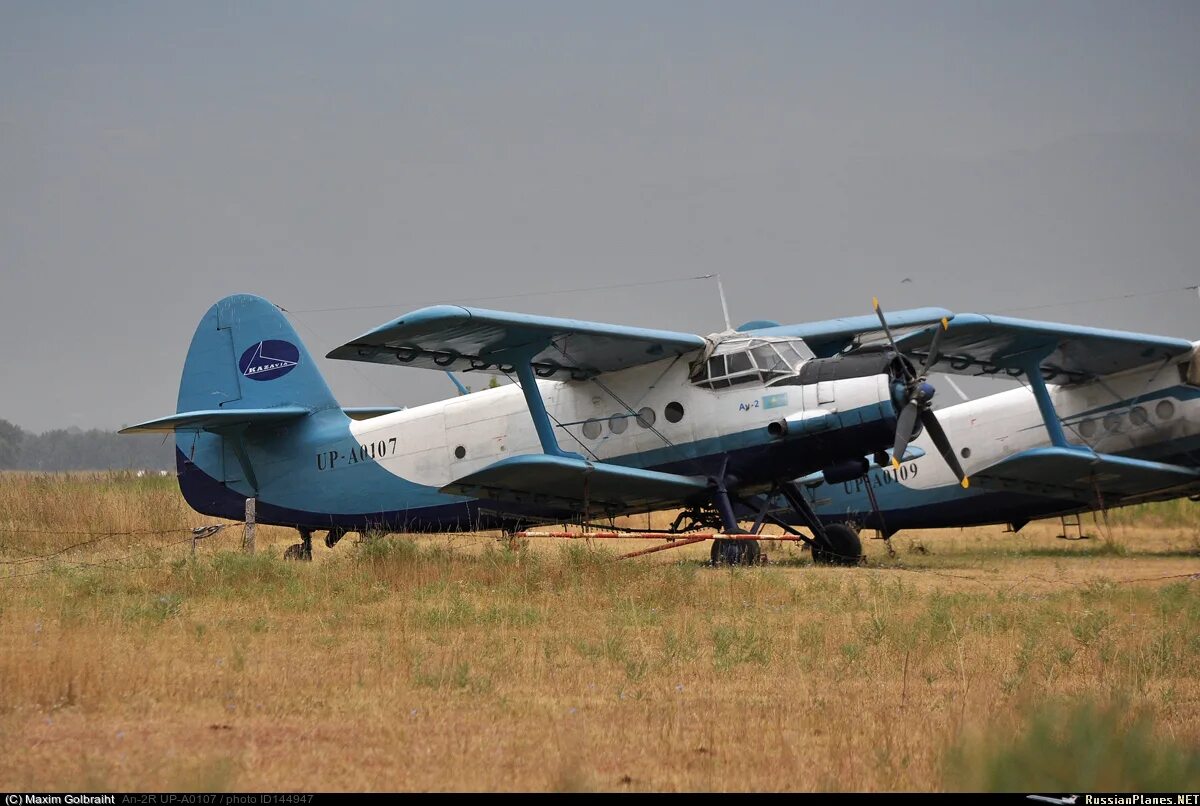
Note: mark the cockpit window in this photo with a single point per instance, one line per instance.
(747, 360)
(739, 362)
(770, 360)
(794, 352)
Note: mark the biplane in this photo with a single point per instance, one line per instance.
(600, 421)
(1103, 418)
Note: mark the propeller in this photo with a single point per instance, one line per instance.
(918, 401)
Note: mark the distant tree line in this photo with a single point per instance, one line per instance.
(76, 449)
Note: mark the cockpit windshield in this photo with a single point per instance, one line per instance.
(747, 360)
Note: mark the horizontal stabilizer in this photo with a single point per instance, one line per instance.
(367, 412)
(450, 337)
(218, 419)
(1080, 475)
(577, 484)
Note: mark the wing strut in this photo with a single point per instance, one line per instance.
(1031, 364)
(537, 407)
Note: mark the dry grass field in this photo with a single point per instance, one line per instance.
(970, 660)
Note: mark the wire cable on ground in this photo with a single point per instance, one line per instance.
(193, 535)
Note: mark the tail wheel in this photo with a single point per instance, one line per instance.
(840, 547)
(296, 552)
(301, 551)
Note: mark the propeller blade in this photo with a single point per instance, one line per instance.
(935, 348)
(905, 424)
(934, 429)
(883, 321)
(888, 332)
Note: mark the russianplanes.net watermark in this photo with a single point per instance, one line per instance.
(1142, 800)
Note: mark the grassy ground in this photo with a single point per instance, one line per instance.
(971, 659)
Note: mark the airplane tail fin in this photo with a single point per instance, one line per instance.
(246, 355)
(246, 380)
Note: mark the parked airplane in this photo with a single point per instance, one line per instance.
(649, 419)
(1120, 426)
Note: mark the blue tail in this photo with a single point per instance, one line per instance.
(246, 355)
(249, 387)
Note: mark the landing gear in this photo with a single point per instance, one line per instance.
(840, 546)
(735, 552)
(837, 544)
(333, 536)
(302, 550)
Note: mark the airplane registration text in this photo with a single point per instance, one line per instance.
(365, 452)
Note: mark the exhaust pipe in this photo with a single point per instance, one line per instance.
(807, 422)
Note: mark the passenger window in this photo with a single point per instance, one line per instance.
(673, 412)
(645, 417)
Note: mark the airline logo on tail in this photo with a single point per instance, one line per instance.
(269, 360)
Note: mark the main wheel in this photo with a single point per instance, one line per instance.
(730, 552)
(840, 547)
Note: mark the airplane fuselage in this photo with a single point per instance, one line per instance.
(386, 472)
(1152, 413)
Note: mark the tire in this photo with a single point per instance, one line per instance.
(840, 547)
(734, 552)
(727, 552)
(296, 553)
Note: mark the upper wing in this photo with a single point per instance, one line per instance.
(451, 337)
(976, 344)
(834, 335)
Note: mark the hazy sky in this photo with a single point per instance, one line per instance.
(155, 157)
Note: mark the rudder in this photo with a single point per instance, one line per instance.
(246, 355)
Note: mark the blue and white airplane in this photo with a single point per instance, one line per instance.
(604, 420)
(1103, 419)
